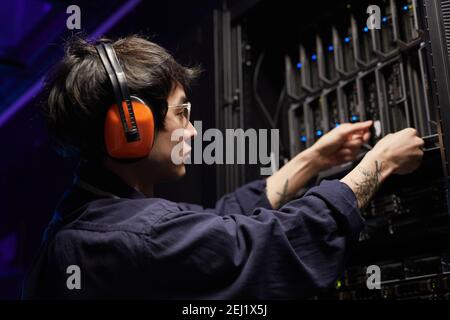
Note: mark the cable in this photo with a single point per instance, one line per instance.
(258, 99)
(272, 122)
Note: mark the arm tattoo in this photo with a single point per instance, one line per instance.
(284, 195)
(368, 185)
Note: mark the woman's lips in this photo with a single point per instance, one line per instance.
(186, 151)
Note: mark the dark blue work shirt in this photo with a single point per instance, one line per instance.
(129, 246)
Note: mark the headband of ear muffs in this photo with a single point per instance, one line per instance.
(129, 129)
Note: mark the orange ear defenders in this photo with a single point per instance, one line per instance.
(129, 129)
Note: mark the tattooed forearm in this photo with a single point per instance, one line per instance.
(284, 196)
(368, 184)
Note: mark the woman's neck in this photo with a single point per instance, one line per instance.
(133, 175)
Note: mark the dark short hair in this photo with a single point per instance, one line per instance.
(78, 91)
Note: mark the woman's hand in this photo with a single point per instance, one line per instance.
(400, 152)
(341, 144)
(337, 146)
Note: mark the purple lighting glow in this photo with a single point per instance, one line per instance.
(8, 250)
(47, 7)
(11, 110)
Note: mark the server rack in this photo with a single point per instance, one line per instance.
(334, 69)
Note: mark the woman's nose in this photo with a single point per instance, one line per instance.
(191, 130)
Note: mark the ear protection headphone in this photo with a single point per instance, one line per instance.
(129, 123)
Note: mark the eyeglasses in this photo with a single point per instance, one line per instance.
(185, 114)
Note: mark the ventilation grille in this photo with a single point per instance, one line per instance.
(445, 7)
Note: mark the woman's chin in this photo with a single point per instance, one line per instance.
(180, 171)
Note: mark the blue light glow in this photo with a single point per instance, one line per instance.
(319, 133)
(314, 57)
(384, 19)
(299, 65)
(405, 8)
(366, 29)
(330, 48)
(303, 138)
(347, 39)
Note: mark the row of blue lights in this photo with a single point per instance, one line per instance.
(313, 58)
(346, 40)
(319, 133)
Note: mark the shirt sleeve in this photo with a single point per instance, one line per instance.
(269, 254)
(243, 200)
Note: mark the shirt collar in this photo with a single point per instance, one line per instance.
(93, 181)
(96, 179)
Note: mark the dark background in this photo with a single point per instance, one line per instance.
(32, 176)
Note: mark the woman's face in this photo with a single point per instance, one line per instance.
(166, 157)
